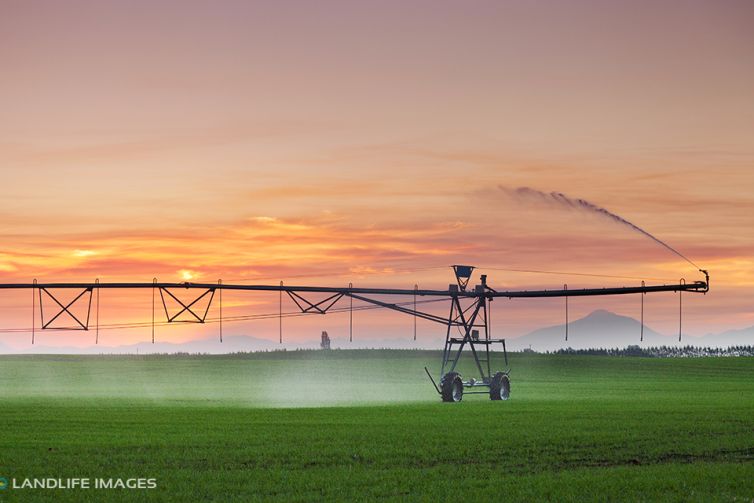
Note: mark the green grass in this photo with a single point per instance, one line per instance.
(248, 427)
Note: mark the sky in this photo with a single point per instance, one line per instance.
(376, 143)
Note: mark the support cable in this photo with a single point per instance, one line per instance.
(96, 322)
(33, 311)
(642, 314)
(333, 273)
(680, 310)
(565, 287)
(416, 287)
(154, 282)
(567, 273)
(350, 316)
(220, 284)
(226, 319)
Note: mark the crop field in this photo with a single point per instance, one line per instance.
(367, 425)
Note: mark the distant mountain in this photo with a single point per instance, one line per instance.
(231, 344)
(740, 337)
(600, 329)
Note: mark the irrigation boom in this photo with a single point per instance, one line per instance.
(469, 319)
(697, 286)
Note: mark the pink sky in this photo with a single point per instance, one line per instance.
(329, 142)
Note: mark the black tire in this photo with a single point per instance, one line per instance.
(500, 387)
(451, 386)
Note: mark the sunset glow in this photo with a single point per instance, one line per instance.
(374, 146)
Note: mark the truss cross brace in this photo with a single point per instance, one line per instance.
(198, 317)
(80, 325)
(320, 307)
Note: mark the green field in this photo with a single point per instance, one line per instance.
(366, 425)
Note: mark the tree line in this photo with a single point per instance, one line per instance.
(661, 351)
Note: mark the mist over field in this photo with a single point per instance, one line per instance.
(278, 379)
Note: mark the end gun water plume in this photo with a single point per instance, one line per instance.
(582, 204)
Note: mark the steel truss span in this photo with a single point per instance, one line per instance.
(471, 321)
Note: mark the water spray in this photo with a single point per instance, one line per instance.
(587, 206)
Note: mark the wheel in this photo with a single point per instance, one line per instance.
(500, 387)
(452, 387)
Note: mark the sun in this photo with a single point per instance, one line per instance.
(83, 253)
(187, 275)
